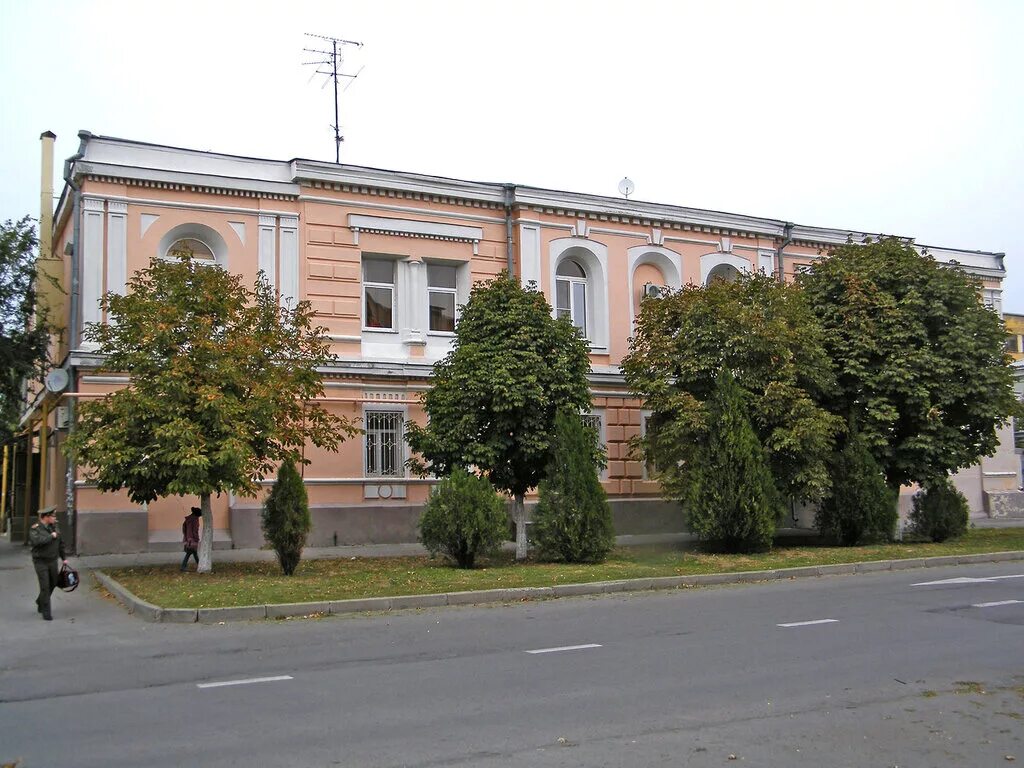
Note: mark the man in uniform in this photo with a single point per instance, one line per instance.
(47, 546)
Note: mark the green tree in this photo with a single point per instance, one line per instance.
(765, 334)
(464, 518)
(494, 397)
(733, 503)
(939, 511)
(573, 521)
(860, 503)
(285, 519)
(920, 361)
(221, 390)
(24, 332)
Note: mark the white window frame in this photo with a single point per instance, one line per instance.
(388, 286)
(574, 309)
(399, 445)
(454, 292)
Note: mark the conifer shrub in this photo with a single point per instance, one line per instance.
(463, 519)
(733, 502)
(861, 505)
(939, 511)
(286, 520)
(572, 521)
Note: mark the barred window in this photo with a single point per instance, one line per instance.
(650, 469)
(384, 444)
(595, 422)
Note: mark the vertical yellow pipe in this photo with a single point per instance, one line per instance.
(3, 493)
(43, 440)
(27, 501)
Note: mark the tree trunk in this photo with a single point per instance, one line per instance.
(519, 516)
(206, 539)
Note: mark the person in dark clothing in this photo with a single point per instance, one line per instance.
(47, 546)
(190, 536)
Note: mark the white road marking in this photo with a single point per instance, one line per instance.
(565, 648)
(968, 580)
(244, 682)
(957, 580)
(809, 623)
(997, 602)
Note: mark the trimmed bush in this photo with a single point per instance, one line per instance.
(939, 511)
(860, 505)
(464, 518)
(286, 521)
(573, 521)
(733, 502)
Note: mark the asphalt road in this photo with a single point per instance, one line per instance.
(893, 673)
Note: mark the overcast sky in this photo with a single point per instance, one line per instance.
(899, 117)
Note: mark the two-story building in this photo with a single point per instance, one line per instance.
(386, 258)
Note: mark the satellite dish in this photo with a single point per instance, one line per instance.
(626, 187)
(57, 380)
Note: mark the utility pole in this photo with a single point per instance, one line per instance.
(331, 60)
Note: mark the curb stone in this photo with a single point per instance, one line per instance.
(154, 613)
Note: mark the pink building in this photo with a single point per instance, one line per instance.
(386, 258)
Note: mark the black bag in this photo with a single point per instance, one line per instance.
(68, 579)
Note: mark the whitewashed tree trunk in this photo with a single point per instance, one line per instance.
(519, 516)
(206, 538)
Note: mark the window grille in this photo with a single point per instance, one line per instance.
(384, 444)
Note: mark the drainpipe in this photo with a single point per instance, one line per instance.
(787, 238)
(510, 197)
(74, 331)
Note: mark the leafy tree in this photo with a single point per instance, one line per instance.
(573, 521)
(920, 361)
(464, 518)
(860, 503)
(494, 397)
(285, 519)
(734, 503)
(221, 382)
(939, 511)
(764, 333)
(24, 333)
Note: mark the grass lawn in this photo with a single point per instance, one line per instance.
(258, 583)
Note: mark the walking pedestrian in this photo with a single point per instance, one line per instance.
(47, 546)
(190, 536)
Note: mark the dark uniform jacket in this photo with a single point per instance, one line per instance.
(44, 546)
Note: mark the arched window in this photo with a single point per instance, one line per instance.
(199, 251)
(725, 272)
(571, 293)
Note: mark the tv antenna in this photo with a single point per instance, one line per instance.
(329, 65)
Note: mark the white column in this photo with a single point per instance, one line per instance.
(117, 247)
(91, 261)
(289, 260)
(268, 248)
(411, 292)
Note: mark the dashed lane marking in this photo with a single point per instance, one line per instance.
(994, 604)
(565, 648)
(809, 623)
(248, 681)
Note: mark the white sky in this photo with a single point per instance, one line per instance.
(899, 117)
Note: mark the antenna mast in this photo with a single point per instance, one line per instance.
(332, 59)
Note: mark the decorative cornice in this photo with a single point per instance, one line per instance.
(428, 230)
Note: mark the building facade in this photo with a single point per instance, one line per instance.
(386, 258)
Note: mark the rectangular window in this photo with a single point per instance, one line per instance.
(1013, 344)
(646, 428)
(441, 290)
(385, 441)
(379, 294)
(595, 422)
(571, 302)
